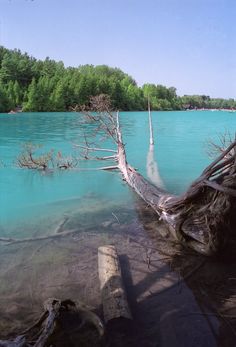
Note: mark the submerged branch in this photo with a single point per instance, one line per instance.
(10, 240)
(95, 149)
(46, 161)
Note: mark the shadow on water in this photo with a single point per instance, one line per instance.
(177, 297)
(199, 308)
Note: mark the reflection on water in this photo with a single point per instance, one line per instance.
(152, 169)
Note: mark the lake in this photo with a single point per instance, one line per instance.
(181, 142)
(102, 209)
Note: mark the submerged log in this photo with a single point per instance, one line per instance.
(114, 300)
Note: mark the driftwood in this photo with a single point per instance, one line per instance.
(52, 326)
(203, 218)
(114, 300)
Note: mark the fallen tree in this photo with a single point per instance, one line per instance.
(203, 217)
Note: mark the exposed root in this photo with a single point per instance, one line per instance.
(53, 323)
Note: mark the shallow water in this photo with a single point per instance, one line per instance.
(102, 210)
(180, 154)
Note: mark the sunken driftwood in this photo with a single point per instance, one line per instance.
(57, 233)
(203, 218)
(52, 326)
(114, 300)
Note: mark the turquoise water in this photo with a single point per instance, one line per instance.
(27, 196)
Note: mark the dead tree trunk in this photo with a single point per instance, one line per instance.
(200, 218)
(203, 217)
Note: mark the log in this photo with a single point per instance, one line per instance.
(114, 299)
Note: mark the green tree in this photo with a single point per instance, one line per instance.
(32, 103)
(57, 98)
(17, 94)
(5, 102)
(47, 86)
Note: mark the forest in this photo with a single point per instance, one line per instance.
(48, 86)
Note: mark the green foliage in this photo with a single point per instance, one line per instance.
(5, 102)
(37, 85)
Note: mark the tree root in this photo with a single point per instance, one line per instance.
(54, 322)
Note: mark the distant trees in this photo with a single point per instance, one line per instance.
(203, 101)
(162, 98)
(37, 85)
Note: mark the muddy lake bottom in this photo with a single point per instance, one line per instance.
(177, 297)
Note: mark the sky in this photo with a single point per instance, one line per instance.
(188, 44)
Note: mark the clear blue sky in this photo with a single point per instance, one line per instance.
(189, 44)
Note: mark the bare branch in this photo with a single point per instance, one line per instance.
(96, 149)
(46, 161)
(225, 140)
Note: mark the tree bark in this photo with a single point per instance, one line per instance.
(114, 300)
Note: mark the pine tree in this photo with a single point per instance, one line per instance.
(32, 103)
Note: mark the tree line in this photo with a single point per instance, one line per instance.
(36, 85)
